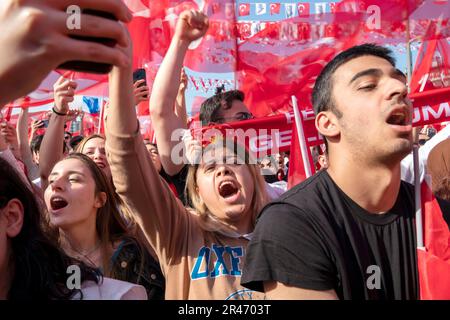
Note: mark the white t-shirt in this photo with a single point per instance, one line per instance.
(111, 289)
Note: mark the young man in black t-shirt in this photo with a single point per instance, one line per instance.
(347, 232)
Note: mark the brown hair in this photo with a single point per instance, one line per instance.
(207, 220)
(80, 146)
(109, 224)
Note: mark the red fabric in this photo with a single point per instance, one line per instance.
(303, 9)
(434, 261)
(296, 172)
(275, 8)
(244, 9)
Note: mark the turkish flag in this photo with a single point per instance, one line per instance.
(303, 9)
(331, 30)
(245, 30)
(304, 31)
(275, 8)
(244, 9)
(333, 7)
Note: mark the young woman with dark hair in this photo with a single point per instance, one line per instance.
(83, 209)
(31, 264)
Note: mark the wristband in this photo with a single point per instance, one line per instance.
(58, 113)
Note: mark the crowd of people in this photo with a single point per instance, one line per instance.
(136, 224)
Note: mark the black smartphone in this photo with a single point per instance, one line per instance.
(88, 66)
(140, 74)
(44, 123)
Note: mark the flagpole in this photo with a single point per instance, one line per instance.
(301, 137)
(99, 129)
(417, 188)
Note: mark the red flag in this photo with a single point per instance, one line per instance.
(244, 9)
(434, 259)
(245, 30)
(215, 8)
(297, 173)
(303, 9)
(275, 8)
(333, 7)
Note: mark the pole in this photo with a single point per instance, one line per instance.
(417, 195)
(301, 137)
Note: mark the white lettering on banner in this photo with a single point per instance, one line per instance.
(289, 117)
(308, 115)
(284, 138)
(427, 113)
(274, 142)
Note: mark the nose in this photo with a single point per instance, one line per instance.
(57, 184)
(222, 170)
(97, 154)
(397, 89)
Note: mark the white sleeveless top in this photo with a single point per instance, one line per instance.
(111, 289)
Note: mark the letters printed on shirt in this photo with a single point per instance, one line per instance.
(226, 262)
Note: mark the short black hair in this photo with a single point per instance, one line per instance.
(322, 99)
(209, 107)
(35, 144)
(75, 141)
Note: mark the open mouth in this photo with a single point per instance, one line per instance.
(227, 189)
(101, 165)
(57, 203)
(399, 117)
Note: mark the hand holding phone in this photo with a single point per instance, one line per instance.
(88, 66)
(141, 92)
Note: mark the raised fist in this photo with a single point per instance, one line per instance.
(191, 25)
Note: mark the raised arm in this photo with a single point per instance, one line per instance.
(190, 26)
(159, 213)
(180, 103)
(24, 146)
(51, 150)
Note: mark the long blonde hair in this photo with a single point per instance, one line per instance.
(208, 221)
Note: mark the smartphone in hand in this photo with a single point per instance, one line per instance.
(44, 123)
(88, 66)
(140, 74)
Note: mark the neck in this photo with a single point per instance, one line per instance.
(373, 187)
(241, 227)
(80, 239)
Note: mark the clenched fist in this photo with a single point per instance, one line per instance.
(191, 25)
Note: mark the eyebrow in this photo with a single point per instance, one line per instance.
(375, 72)
(397, 72)
(369, 72)
(70, 172)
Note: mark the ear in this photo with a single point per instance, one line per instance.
(327, 124)
(100, 199)
(13, 213)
